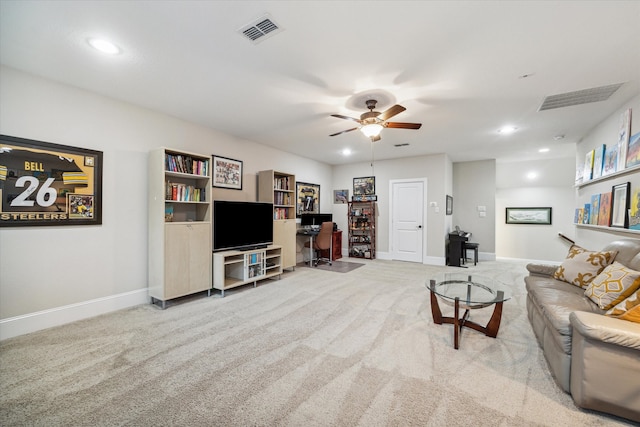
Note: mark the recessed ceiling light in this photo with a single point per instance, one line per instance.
(532, 175)
(543, 150)
(506, 130)
(346, 152)
(104, 46)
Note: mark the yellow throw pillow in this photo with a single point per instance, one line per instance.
(582, 266)
(613, 285)
(628, 309)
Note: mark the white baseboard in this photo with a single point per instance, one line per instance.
(24, 324)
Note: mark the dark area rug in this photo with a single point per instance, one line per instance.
(337, 266)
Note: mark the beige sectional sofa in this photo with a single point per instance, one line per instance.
(593, 356)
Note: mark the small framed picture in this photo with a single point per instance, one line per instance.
(540, 216)
(364, 186)
(227, 173)
(340, 196)
(449, 205)
(620, 205)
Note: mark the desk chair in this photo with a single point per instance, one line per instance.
(323, 242)
(467, 246)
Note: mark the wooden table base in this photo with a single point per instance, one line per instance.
(490, 330)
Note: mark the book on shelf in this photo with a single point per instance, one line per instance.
(168, 213)
(281, 183)
(184, 193)
(598, 161)
(604, 213)
(281, 213)
(595, 209)
(634, 211)
(186, 164)
(633, 152)
(588, 166)
(586, 213)
(610, 164)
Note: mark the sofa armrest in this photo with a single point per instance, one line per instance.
(598, 327)
(541, 269)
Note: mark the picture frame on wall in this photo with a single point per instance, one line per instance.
(47, 184)
(449, 206)
(307, 198)
(364, 186)
(620, 205)
(536, 216)
(227, 173)
(340, 197)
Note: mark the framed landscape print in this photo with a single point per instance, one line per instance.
(540, 216)
(620, 205)
(307, 198)
(42, 183)
(227, 173)
(364, 186)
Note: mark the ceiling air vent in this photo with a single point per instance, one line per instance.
(579, 97)
(260, 29)
(404, 144)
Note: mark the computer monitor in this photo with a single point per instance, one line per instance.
(315, 220)
(322, 217)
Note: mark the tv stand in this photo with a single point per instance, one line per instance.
(240, 267)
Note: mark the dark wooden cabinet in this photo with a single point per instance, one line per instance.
(336, 250)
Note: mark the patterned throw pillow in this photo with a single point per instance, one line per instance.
(582, 266)
(613, 285)
(628, 309)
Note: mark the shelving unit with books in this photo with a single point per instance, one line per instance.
(179, 224)
(608, 189)
(279, 188)
(236, 268)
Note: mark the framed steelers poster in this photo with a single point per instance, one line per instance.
(48, 184)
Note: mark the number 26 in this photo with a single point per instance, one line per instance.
(45, 197)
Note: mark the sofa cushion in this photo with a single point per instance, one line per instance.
(628, 309)
(613, 285)
(582, 266)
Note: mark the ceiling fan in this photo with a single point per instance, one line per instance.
(372, 122)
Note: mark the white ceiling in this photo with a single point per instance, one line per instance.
(455, 66)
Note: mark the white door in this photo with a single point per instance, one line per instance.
(407, 219)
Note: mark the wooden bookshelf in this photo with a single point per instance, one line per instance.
(179, 224)
(279, 188)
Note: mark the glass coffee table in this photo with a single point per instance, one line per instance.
(468, 292)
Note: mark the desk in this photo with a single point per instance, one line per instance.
(311, 234)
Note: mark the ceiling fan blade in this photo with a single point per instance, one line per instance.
(348, 130)
(340, 116)
(396, 109)
(400, 125)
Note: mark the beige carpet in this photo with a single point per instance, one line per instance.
(312, 349)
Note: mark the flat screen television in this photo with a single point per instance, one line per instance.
(242, 225)
(312, 219)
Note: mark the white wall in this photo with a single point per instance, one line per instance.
(474, 186)
(552, 187)
(51, 275)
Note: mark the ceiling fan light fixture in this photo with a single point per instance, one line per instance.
(371, 130)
